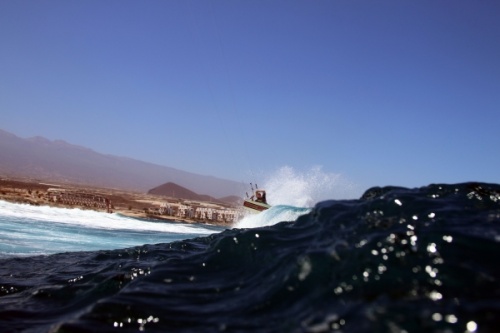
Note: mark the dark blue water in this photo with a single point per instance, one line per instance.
(396, 260)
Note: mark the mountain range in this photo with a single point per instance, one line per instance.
(60, 161)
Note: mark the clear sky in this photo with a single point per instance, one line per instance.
(379, 92)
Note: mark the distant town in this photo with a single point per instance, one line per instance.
(128, 203)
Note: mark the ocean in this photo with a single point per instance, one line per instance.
(394, 260)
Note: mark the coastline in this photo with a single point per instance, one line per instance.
(127, 203)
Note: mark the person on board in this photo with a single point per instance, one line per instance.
(261, 196)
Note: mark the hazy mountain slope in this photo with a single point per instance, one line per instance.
(61, 161)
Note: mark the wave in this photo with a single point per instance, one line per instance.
(27, 230)
(395, 260)
(91, 219)
(271, 216)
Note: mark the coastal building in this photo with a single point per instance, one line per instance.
(75, 198)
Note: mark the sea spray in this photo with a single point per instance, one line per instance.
(291, 194)
(288, 186)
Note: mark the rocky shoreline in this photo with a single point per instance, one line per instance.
(127, 203)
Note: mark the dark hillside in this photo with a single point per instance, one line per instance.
(176, 191)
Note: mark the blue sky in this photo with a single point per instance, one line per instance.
(381, 93)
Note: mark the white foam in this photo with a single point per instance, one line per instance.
(291, 193)
(91, 219)
(271, 216)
